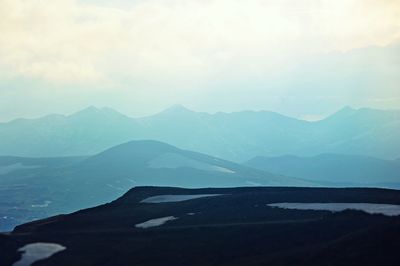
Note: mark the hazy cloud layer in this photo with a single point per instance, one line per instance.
(140, 56)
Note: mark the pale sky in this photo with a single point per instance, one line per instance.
(303, 58)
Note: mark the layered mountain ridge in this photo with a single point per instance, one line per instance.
(237, 136)
(38, 187)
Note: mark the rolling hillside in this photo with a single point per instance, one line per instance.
(215, 227)
(35, 188)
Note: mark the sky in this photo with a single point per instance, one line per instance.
(303, 58)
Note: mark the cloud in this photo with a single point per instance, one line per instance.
(72, 41)
(166, 51)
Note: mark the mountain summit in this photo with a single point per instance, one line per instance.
(177, 108)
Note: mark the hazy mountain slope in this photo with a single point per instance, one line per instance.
(84, 133)
(235, 228)
(335, 168)
(357, 131)
(236, 136)
(40, 191)
(156, 163)
(243, 135)
(24, 192)
(226, 135)
(42, 162)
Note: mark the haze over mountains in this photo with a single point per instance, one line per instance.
(33, 188)
(278, 170)
(59, 163)
(237, 136)
(343, 170)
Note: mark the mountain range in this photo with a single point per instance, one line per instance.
(237, 136)
(33, 188)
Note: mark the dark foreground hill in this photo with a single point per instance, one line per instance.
(35, 188)
(228, 226)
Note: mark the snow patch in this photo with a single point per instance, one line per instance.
(155, 222)
(253, 183)
(222, 169)
(44, 205)
(16, 166)
(371, 208)
(175, 198)
(174, 160)
(37, 251)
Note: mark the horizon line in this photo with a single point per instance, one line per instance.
(184, 108)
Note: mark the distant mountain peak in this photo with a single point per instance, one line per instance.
(88, 110)
(347, 108)
(93, 110)
(177, 108)
(134, 148)
(348, 112)
(341, 113)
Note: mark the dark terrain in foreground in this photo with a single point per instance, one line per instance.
(236, 228)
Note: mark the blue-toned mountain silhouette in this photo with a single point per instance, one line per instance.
(237, 136)
(34, 188)
(336, 169)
